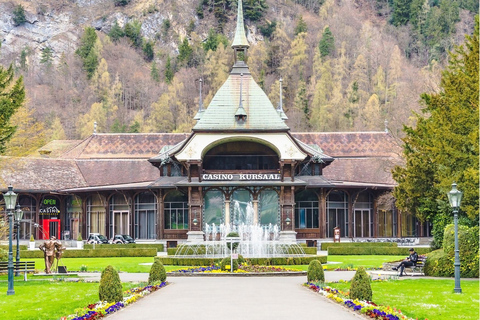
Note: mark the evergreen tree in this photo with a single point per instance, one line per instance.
(19, 15)
(148, 51)
(254, 9)
(301, 26)
(116, 32)
(168, 71)
(443, 147)
(401, 12)
(154, 72)
(185, 53)
(46, 56)
(133, 32)
(327, 43)
(268, 29)
(87, 52)
(12, 97)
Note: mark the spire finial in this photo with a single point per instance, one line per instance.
(241, 115)
(282, 114)
(200, 103)
(240, 40)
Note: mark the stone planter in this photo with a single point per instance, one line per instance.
(79, 244)
(31, 245)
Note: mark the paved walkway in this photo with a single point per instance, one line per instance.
(232, 298)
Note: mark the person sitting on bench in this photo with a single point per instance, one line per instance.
(410, 261)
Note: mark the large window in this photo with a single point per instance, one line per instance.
(306, 210)
(119, 215)
(241, 208)
(337, 213)
(176, 210)
(241, 155)
(96, 215)
(387, 223)
(29, 207)
(268, 209)
(145, 216)
(363, 217)
(73, 217)
(214, 207)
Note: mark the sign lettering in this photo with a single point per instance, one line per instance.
(240, 177)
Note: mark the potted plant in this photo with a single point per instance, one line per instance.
(79, 241)
(31, 243)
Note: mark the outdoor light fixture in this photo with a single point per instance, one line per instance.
(10, 199)
(288, 221)
(18, 216)
(455, 198)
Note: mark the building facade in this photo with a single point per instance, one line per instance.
(240, 157)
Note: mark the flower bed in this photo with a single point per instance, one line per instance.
(101, 309)
(367, 308)
(242, 269)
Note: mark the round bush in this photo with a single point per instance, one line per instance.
(360, 288)
(110, 289)
(226, 262)
(315, 271)
(157, 272)
(234, 244)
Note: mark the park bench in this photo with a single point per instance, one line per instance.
(417, 268)
(18, 266)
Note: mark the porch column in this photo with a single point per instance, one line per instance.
(255, 211)
(227, 211)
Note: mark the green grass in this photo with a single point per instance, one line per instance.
(353, 262)
(46, 299)
(426, 298)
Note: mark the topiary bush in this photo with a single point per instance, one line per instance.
(233, 244)
(110, 288)
(360, 288)
(315, 272)
(157, 272)
(226, 262)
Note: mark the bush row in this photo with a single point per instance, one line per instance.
(254, 261)
(375, 250)
(440, 262)
(326, 245)
(14, 247)
(158, 246)
(200, 250)
(113, 252)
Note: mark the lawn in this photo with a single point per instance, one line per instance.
(426, 298)
(46, 299)
(353, 262)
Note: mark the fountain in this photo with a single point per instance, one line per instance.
(255, 241)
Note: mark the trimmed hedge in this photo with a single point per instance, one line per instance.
(14, 247)
(375, 250)
(158, 246)
(325, 245)
(201, 250)
(254, 261)
(134, 252)
(440, 262)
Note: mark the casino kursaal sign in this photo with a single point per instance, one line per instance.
(240, 176)
(49, 207)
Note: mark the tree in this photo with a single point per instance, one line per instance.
(254, 9)
(148, 51)
(46, 56)
(154, 72)
(301, 26)
(19, 15)
(29, 135)
(327, 43)
(443, 146)
(121, 3)
(168, 71)
(133, 32)
(184, 53)
(87, 51)
(400, 12)
(12, 97)
(116, 32)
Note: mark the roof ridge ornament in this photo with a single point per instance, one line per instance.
(200, 112)
(241, 114)
(240, 42)
(282, 114)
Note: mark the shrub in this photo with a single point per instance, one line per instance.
(241, 260)
(315, 272)
(3, 255)
(360, 288)
(374, 250)
(440, 262)
(157, 272)
(19, 15)
(121, 3)
(79, 237)
(110, 288)
(226, 262)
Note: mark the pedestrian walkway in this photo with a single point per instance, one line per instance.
(232, 298)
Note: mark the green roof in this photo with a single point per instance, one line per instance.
(240, 40)
(220, 114)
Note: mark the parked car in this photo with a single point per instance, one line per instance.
(97, 239)
(122, 238)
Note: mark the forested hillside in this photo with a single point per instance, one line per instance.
(135, 65)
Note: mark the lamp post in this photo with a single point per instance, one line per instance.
(18, 217)
(10, 199)
(455, 198)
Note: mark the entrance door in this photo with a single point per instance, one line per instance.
(51, 227)
(120, 222)
(146, 225)
(362, 223)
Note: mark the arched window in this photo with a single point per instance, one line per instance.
(306, 210)
(241, 155)
(337, 213)
(176, 210)
(145, 216)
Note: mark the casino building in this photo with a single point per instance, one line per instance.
(240, 153)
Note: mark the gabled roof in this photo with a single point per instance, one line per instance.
(220, 114)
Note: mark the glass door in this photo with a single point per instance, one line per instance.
(362, 223)
(120, 222)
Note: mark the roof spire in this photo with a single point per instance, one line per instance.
(240, 40)
(200, 103)
(241, 115)
(282, 114)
